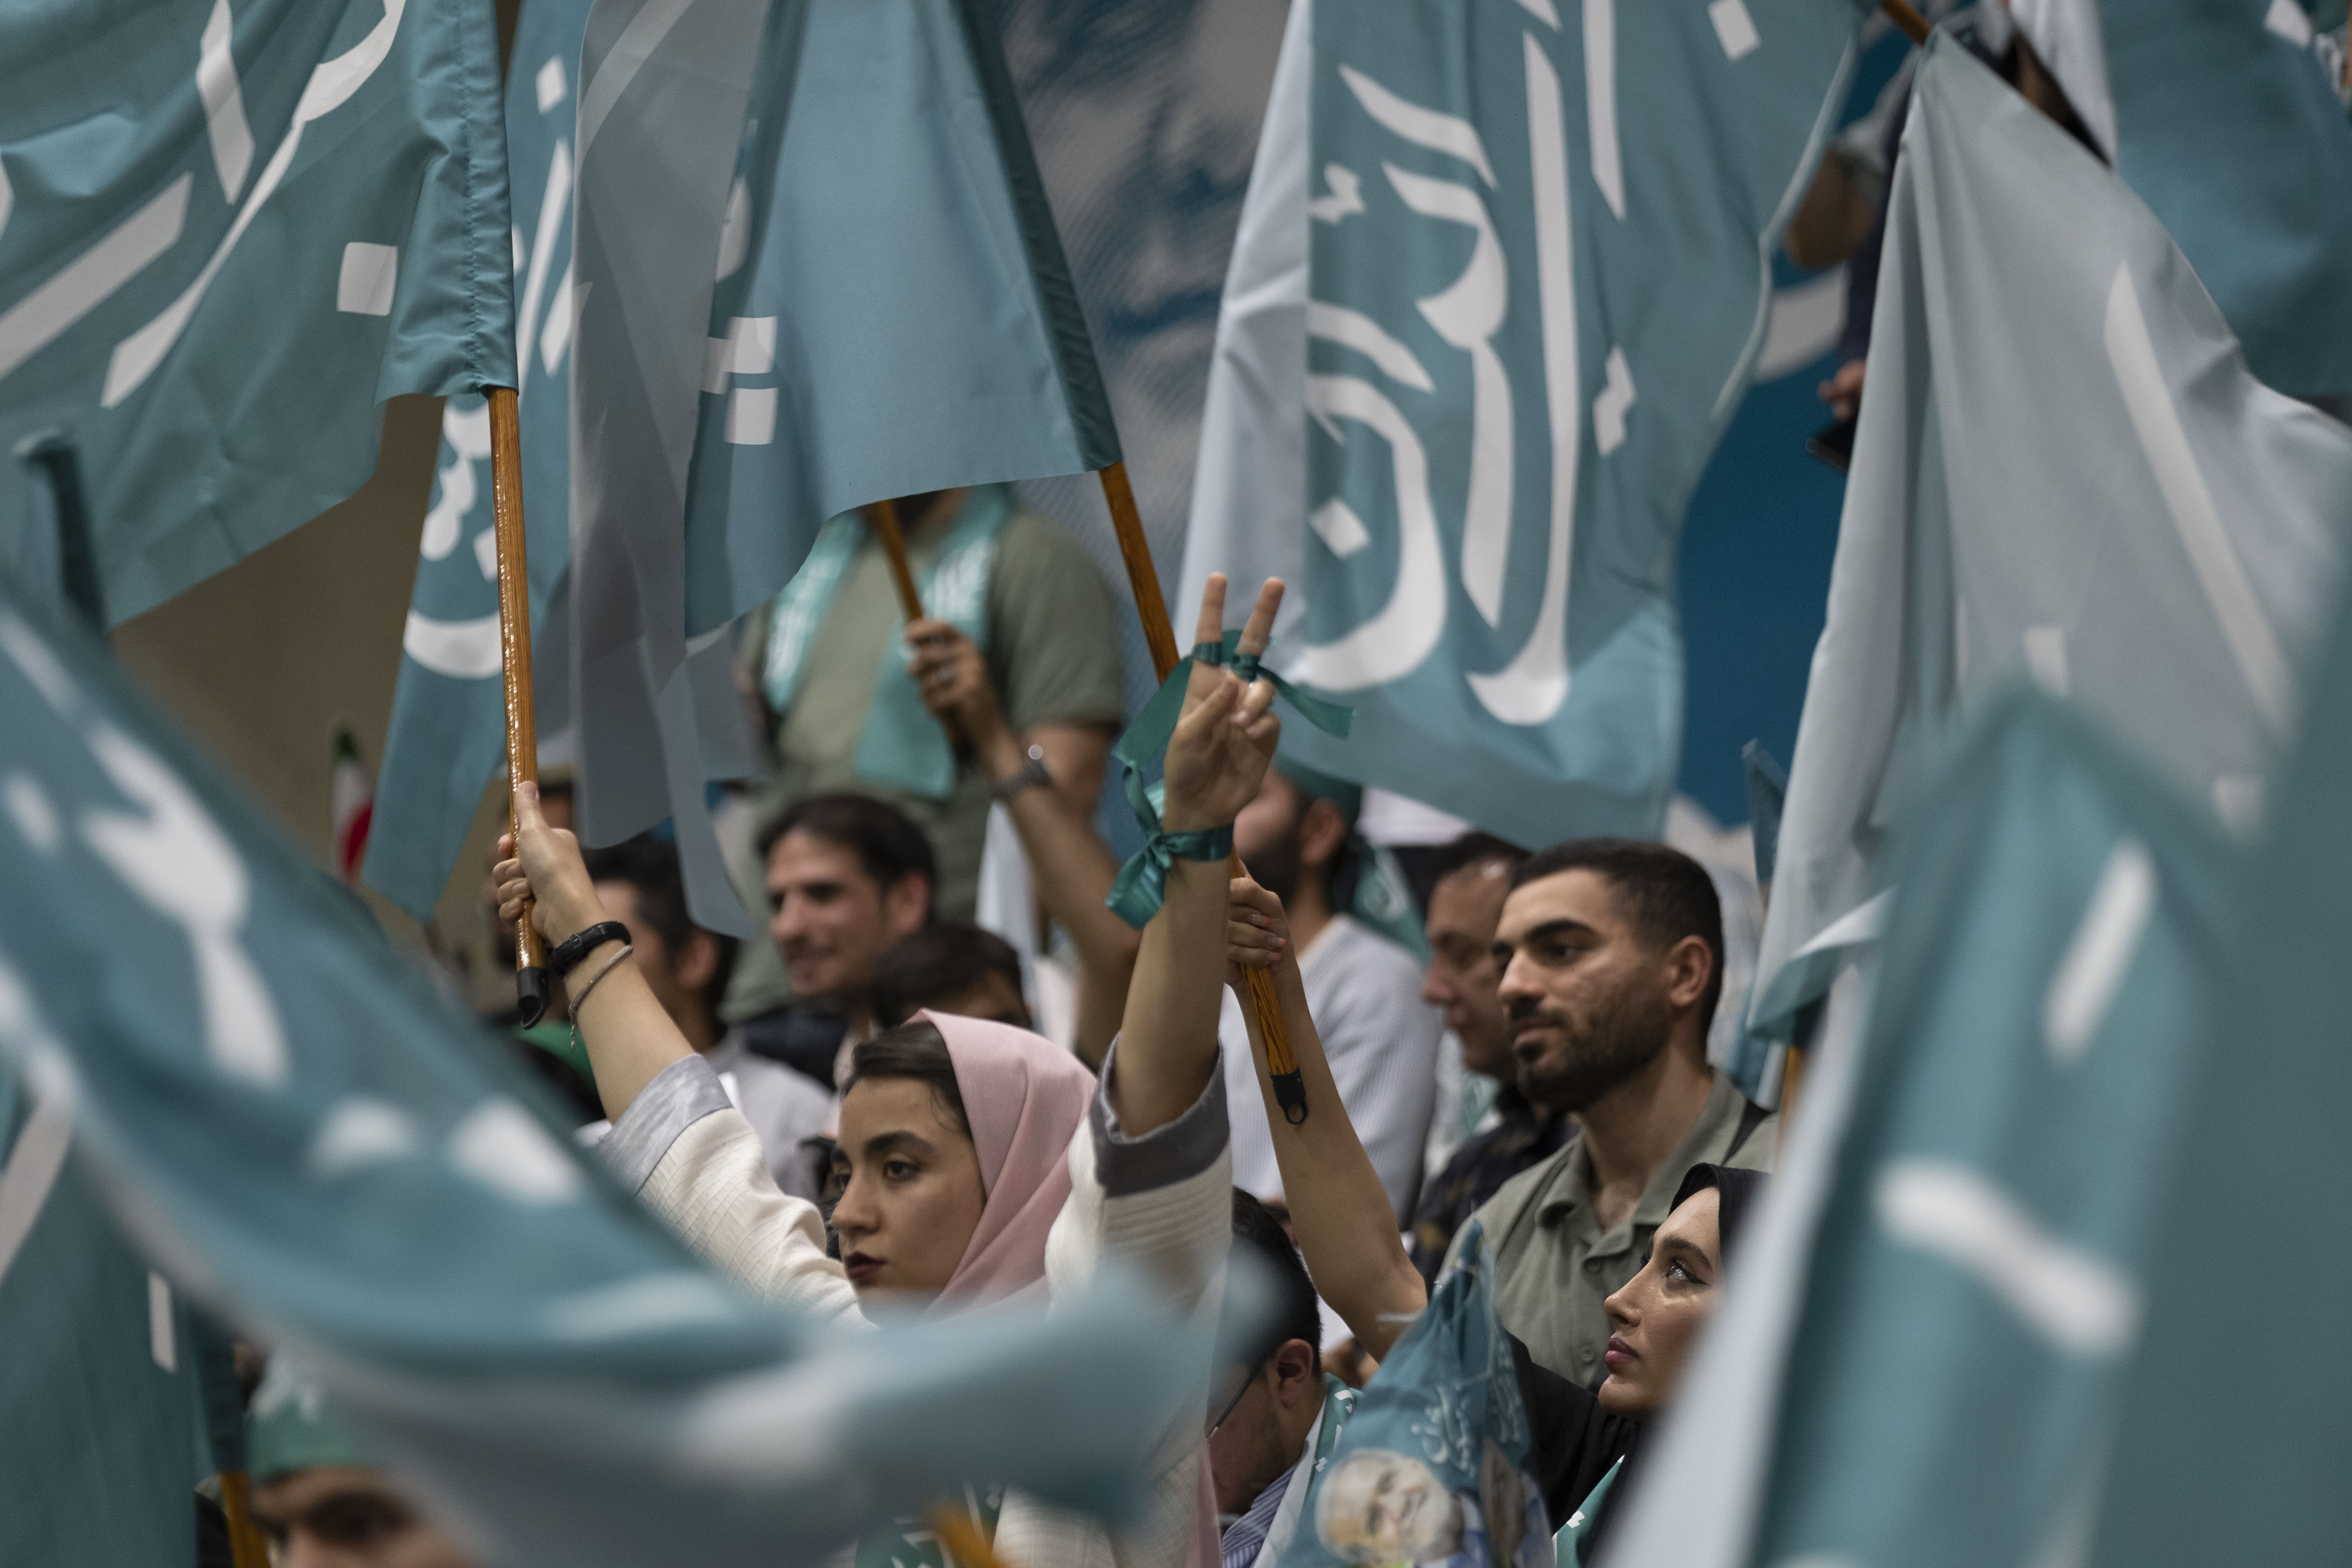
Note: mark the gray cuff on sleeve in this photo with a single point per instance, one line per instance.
(1163, 1156)
(680, 1095)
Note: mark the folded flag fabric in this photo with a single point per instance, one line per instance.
(1490, 310)
(2161, 556)
(449, 712)
(2221, 116)
(892, 314)
(298, 1131)
(1987, 1187)
(225, 236)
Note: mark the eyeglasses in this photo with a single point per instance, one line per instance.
(1248, 1378)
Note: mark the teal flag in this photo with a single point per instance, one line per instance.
(1501, 280)
(1436, 1463)
(2223, 118)
(891, 314)
(297, 1130)
(448, 712)
(894, 313)
(1926, 1364)
(2219, 1456)
(2161, 556)
(100, 1407)
(2027, 1089)
(226, 234)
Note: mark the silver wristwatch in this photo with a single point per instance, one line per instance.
(1033, 771)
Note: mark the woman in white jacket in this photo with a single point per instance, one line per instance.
(954, 1196)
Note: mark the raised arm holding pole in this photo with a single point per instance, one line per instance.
(1159, 636)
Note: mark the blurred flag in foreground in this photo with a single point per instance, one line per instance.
(297, 1130)
(2263, 1483)
(2160, 554)
(1987, 1182)
(893, 314)
(1500, 282)
(225, 236)
(449, 713)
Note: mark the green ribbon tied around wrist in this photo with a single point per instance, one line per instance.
(1143, 882)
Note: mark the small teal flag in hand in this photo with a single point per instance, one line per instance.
(1501, 281)
(2160, 555)
(297, 1128)
(226, 234)
(448, 712)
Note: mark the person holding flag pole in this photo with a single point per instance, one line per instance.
(963, 1143)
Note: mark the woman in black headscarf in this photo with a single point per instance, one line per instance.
(1589, 1442)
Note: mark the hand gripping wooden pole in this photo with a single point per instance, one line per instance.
(514, 650)
(1143, 577)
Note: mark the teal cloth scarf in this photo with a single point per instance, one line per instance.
(902, 746)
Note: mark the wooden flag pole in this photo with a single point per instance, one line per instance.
(1159, 636)
(894, 544)
(514, 649)
(247, 1548)
(1914, 26)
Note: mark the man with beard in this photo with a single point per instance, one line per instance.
(1298, 839)
(1611, 958)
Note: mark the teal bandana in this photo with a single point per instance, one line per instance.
(903, 746)
(288, 1428)
(1141, 886)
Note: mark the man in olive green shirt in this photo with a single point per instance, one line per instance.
(1612, 959)
(1049, 637)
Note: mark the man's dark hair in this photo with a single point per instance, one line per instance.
(887, 846)
(925, 968)
(1664, 893)
(650, 868)
(917, 1051)
(1473, 849)
(1296, 1314)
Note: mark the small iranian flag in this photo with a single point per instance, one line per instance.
(353, 794)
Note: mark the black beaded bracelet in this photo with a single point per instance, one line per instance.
(565, 956)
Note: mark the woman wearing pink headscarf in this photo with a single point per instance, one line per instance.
(983, 1164)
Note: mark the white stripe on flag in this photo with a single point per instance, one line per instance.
(2132, 354)
(31, 1172)
(2088, 977)
(162, 1339)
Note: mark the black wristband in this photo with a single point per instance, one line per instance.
(565, 956)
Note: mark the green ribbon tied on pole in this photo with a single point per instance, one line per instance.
(1143, 882)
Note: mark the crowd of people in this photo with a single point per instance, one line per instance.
(895, 1131)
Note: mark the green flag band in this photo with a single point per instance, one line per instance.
(1143, 883)
(1135, 896)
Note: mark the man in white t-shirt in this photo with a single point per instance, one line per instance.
(1298, 839)
(686, 968)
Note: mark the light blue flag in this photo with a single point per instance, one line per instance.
(2222, 118)
(2220, 1455)
(2160, 555)
(1501, 278)
(894, 313)
(297, 1130)
(225, 236)
(448, 712)
(99, 1404)
(1926, 1366)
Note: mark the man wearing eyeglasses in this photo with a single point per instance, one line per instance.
(1274, 1413)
